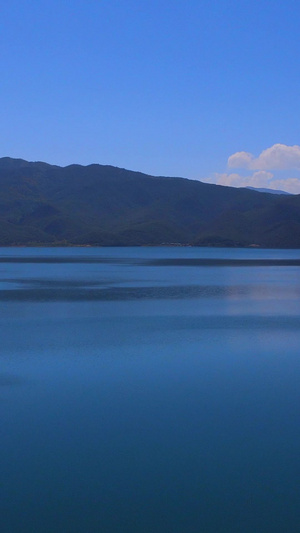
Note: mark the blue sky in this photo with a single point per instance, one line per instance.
(164, 87)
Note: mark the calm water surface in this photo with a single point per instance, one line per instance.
(149, 390)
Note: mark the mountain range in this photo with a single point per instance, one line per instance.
(98, 205)
(270, 191)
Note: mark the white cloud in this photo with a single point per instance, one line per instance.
(267, 170)
(260, 180)
(291, 185)
(240, 160)
(257, 179)
(277, 157)
(232, 180)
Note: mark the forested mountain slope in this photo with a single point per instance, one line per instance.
(105, 205)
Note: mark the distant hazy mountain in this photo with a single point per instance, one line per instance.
(105, 205)
(270, 191)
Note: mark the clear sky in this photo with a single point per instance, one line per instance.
(167, 87)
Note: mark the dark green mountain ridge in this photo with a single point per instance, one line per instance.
(42, 204)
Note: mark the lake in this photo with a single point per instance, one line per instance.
(150, 390)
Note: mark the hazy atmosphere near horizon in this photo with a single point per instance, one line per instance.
(207, 90)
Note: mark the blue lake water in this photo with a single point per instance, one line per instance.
(150, 390)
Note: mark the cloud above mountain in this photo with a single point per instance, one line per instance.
(257, 179)
(269, 169)
(260, 180)
(277, 157)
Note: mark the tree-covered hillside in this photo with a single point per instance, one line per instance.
(104, 205)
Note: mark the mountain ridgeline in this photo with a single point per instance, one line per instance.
(98, 205)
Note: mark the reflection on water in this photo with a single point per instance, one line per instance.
(37, 290)
(156, 396)
(56, 292)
